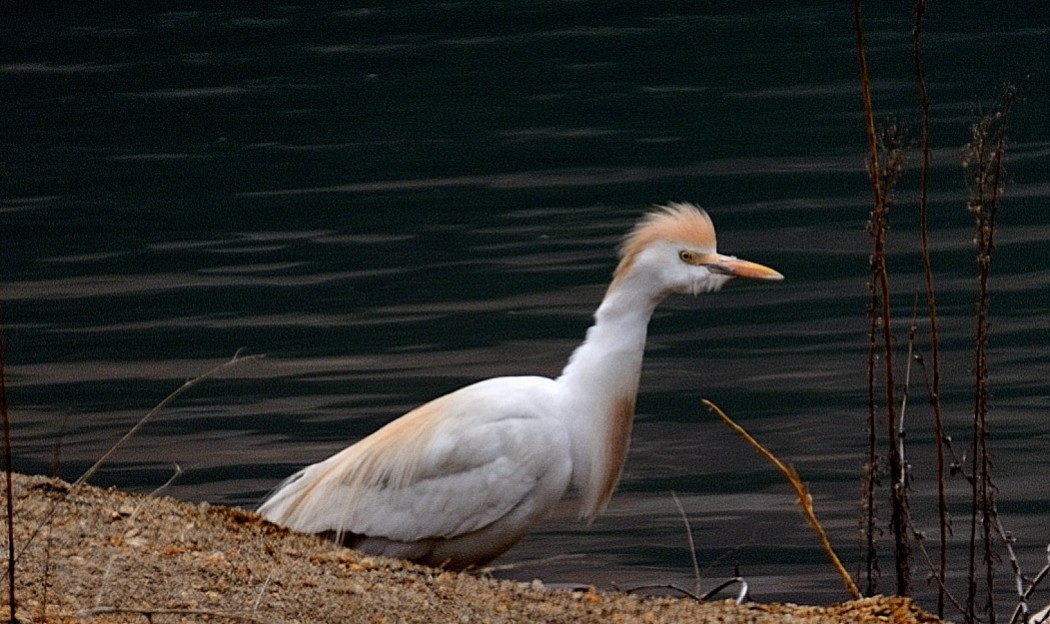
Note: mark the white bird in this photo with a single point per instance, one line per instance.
(459, 480)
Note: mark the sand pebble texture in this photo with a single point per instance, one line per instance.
(85, 554)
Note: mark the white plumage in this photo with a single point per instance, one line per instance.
(459, 480)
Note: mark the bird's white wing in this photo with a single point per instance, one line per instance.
(450, 467)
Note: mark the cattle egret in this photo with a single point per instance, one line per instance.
(459, 480)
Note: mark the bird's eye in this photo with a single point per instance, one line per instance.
(688, 257)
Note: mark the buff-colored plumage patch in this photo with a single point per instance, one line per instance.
(678, 222)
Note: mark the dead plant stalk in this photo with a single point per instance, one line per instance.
(804, 498)
(931, 302)
(984, 166)
(5, 417)
(882, 174)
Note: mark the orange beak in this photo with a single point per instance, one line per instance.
(736, 267)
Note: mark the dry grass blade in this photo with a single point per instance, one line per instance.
(804, 498)
(236, 359)
(697, 577)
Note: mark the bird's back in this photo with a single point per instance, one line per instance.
(456, 481)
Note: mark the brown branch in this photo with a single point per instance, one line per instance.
(931, 300)
(805, 500)
(10, 495)
(880, 179)
(869, 553)
(984, 165)
(869, 115)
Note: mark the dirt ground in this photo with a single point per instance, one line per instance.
(85, 554)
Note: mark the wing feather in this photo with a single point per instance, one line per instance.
(450, 467)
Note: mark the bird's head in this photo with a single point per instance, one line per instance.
(673, 250)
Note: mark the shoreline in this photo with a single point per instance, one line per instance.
(86, 554)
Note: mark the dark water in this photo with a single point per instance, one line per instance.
(392, 201)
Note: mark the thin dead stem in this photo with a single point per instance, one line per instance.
(868, 527)
(902, 476)
(244, 616)
(1021, 611)
(883, 173)
(696, 595)
(892, 154)
(736, 580)
(1015, 565)
(10, 495)
(685, 592)
(941, 582)
(237, 359)
(697, 577)
(130, 520)
(805, 500)
(984, 165)
(931, 303)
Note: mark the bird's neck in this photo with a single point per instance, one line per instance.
(599, 385)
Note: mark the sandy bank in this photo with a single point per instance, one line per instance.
(86, 554)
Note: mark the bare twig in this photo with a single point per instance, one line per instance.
(984, 167)
(901, 478)
(804, 498)
(696, 595)
(237, 359)
(957, 466)
(869, 114)
(1022, 606)
(869, 552)
(943, 589)
(672, 586)
(167, 484)
(149, 613)
(931, 301)
(10, 493)
(740, 596)
(869, 555)
(1015, 565)
(882, 174)
(892, 153)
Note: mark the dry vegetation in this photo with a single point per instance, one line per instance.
(989, 543)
